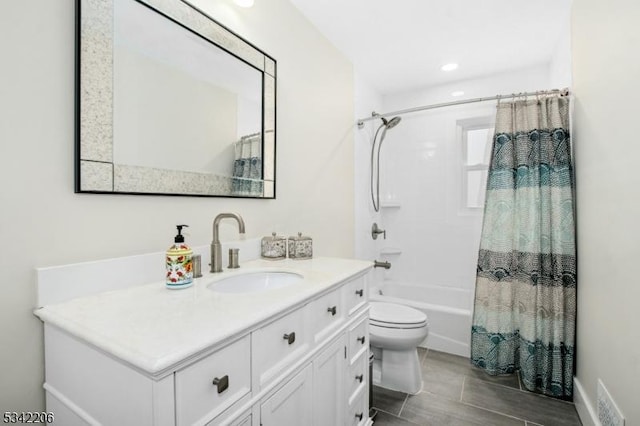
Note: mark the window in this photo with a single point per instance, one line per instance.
(477, 137)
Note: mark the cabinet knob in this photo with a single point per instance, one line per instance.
(360, 292)
(359, 416)
(360, 378)
(332, 309)
(222, 383)
(291, 337)
(361, 339)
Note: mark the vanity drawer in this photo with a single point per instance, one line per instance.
(326, 314)
(211, 385)
(355, 294)
(357, 376)
(358, 412)
(358, 339)
(278, 345)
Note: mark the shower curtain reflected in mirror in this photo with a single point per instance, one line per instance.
(525, 301)
(247, 166)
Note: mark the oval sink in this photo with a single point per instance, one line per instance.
(258, 281)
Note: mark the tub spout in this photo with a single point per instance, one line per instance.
(380, 264)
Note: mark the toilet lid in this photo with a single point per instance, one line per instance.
(392, 313)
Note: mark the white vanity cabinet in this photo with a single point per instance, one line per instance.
(305, 364)
(322, 393)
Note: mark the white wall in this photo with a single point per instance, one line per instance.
(42, 222)
(606, 66)
(560, 64)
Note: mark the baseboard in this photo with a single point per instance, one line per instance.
(584, 407)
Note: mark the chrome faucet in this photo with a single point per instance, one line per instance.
(216, 247)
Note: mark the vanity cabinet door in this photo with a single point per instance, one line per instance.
(328, 384)
(291, 404)
(211, 385)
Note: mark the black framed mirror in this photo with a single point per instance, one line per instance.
(169, 102)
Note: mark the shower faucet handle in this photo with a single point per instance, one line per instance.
(375, 231)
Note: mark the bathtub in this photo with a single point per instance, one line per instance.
(448, 310)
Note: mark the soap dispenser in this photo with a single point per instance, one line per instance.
(179, 263)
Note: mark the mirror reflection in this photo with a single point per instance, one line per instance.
(188, 117)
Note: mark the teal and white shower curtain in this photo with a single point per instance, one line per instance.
(247, 166)
(525, 298)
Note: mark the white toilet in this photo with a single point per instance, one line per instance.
(395, 332)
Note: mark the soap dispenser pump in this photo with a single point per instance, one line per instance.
(179, 263)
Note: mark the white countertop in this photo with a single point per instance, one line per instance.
(154, 328)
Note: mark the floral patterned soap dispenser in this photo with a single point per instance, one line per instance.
(179, 263)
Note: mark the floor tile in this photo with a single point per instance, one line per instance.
(443, 375)
(386, 419)
(522, 404)
(452, 363)
(510, 380)
(431, 410)
(388, 400)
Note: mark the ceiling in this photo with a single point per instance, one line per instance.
(401, 45)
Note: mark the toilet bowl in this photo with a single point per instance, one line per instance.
(395, 332)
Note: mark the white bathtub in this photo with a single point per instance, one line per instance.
(448, 310)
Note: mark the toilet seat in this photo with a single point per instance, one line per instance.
(391, 315)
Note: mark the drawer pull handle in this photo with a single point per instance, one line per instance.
(360, 292)
(360, 378)
(332, 309)
(361, 340)
(291, 337)
(359, 416)
(222, 383)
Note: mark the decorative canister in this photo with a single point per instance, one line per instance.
(300, 247)
(274, 247)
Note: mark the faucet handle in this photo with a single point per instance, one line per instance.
(375, 230)
(196, 261)
(234, 254)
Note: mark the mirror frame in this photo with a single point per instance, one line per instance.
(95, 171)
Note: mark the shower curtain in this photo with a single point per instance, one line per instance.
(525, 300)
(247, 166)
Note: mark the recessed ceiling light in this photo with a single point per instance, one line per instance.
(457, 93)
(244, 3)
(449, 67)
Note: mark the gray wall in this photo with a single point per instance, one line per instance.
(43, 223)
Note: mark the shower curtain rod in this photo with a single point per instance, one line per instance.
(374, 115)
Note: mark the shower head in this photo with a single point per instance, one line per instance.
(389, 124)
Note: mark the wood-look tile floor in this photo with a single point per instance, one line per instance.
(458, 394)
